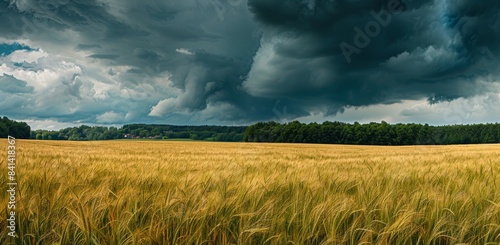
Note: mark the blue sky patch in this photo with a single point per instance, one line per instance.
(9, 48)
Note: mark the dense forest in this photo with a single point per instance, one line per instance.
(144, 131)
(15, 129)
(372, 133)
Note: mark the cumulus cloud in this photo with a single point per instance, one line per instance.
(192, 51)
(110, 117)
(22, 56)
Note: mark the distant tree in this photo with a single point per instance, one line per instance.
(144, 133)
(4, 130)
(372, 134)
(19, 130)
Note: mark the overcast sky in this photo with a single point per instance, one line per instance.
(235, 62)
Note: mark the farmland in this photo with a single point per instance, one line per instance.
(174, 192)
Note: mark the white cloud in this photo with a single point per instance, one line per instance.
(184, 51)
(28, 56)
(79, 89)
(46, 74)
(54, 124)
(163, 107)
(110, 117)
(478, 109)
(49, 124)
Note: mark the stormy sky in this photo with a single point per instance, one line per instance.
(235, 62)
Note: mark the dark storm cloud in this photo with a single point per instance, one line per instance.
(204, 51)
(434, 49)
(146, 54)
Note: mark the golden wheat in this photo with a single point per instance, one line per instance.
(164, 192)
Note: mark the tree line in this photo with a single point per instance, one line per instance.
(372, 133)
(144, 131)
(20, 130)
(293, 132)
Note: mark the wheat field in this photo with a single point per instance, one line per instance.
(167, 192)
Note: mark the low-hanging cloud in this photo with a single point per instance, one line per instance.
(433, 49)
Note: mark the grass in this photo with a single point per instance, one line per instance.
(168, 192)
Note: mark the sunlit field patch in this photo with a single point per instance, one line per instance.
(168, 192)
